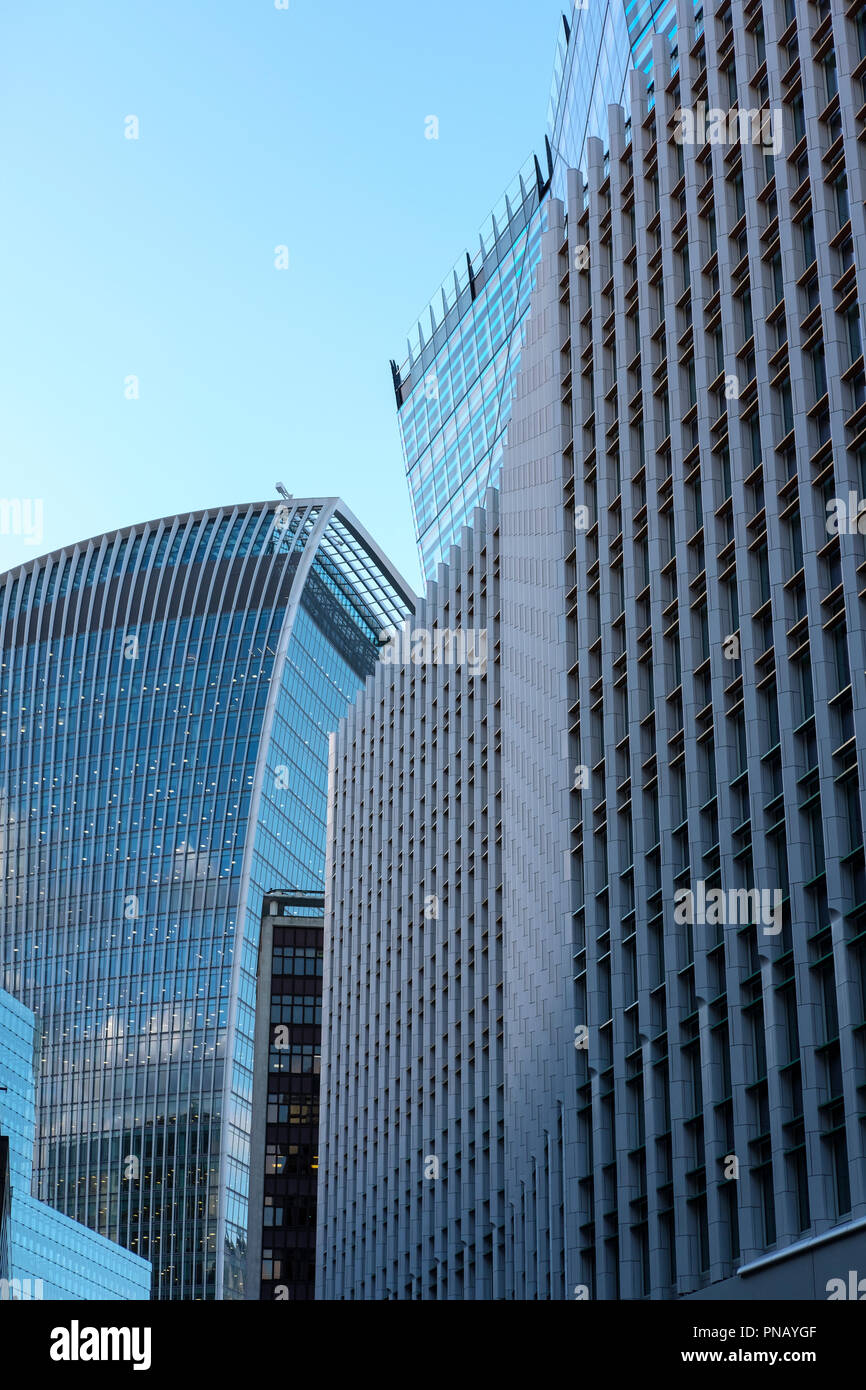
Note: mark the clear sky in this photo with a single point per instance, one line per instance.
(154, 257)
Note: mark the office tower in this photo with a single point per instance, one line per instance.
(168, 691)
(719, 627)
(683, 722)
(410, 1146)
(594, 57)
(455, 387)
(284, 1138)
(44, 1254)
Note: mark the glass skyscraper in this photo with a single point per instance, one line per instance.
(454, 389)
(594, 56)
(46, 1255)
(167, 694)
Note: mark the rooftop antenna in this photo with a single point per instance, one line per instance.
(286, 496)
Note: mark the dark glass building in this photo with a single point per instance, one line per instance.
(284, 1140)
(167, 695)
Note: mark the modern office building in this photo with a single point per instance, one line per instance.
(44, 1254)
(284, 1139)
(411, 1141)
(678, 1063)
(167, 695)
(596, 50)
(455, 387)
(715, 391)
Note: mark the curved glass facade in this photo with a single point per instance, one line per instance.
(167, 695)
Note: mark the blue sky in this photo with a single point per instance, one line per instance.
(154, 257)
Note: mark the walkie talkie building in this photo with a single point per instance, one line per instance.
(167, 694)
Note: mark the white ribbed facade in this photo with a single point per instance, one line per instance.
(412, 1016)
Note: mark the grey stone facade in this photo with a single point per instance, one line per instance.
(681, 674)
(717, 397)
